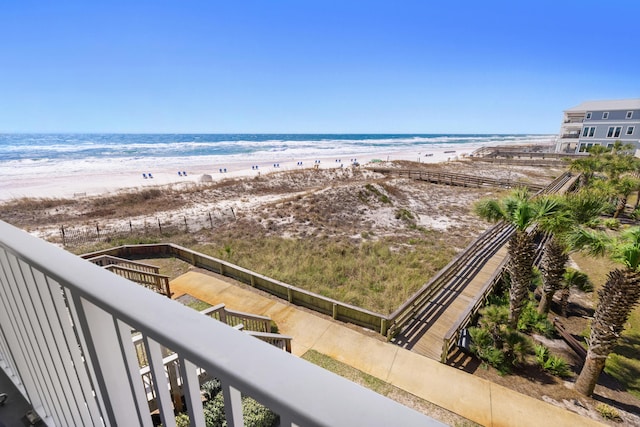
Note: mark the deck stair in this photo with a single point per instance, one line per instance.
(254, 325)
(144, 274)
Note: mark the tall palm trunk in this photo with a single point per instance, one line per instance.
(565, 293)
(520, 267)
(620, 205)
(615, 302)
(554, 261)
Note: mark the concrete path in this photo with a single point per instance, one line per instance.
(457, 391)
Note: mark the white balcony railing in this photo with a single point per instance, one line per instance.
(65, 341)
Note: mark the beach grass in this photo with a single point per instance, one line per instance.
(376, 275)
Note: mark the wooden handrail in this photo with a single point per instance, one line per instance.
(156, 282)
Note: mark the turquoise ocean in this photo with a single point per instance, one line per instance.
(28, 158)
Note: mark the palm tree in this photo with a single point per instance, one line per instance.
(616, 298)
(587, 167)
(521, 212)
(624, 187)
(555, 255)
(572, 279)
(575, 210)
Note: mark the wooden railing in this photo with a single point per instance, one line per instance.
(66, 345)
(251, 322)
(467, 261)
(457, 179)
(570, 340)
(105, 260)
(451, 338)
(283, 342)
(156, 282)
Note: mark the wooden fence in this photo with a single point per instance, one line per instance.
(336, 309)
(71, 236)
(457, 179)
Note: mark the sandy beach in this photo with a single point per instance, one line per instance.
(129, 175)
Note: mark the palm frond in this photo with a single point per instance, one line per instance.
(632, 235)
(595, 243)
(628, 254)
(523, 215)
(490, 210)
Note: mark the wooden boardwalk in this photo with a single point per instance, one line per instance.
(425, 332)
(429, 325)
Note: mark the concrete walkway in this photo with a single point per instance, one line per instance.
(457, 391)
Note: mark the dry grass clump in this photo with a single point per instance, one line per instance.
(376, 275)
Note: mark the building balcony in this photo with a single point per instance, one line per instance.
(570, 136)
(70, 331)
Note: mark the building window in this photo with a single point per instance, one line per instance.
(629, 114)
(588, 116)
(605, 115)
(583, 148)
(588, 132)
(614, 131)
(630, 130)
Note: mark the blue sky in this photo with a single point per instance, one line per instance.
(311, 66)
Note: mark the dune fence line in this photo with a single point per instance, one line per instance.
(76, 236)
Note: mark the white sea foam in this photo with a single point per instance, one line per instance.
(41, 167)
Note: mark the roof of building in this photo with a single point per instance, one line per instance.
(615, 104)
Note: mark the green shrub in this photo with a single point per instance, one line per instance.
(182, 420)
(607, 412)
(274, 328)
(532, 321)
(404, 214)
(211, 389)
(611, 223)
(495, 343)
(555, 365)
(253, 413)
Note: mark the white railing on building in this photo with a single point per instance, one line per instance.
(65, 341)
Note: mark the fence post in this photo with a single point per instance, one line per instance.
(98, 230)
(130, 227)
(233, 213)
(159, 226)
(210, 220)
(64, 242)
(186, 227)
(383, 327)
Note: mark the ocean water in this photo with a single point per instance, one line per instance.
(47, 165)
(28, 149)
